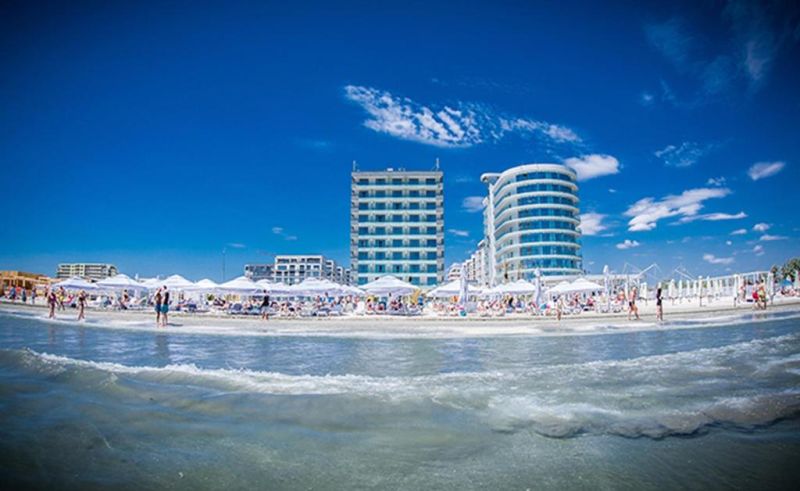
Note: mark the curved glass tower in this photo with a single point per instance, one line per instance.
(531, 222)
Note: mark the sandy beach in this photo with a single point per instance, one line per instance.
(678, 316)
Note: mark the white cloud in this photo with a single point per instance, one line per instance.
(473, 204)
(236, 245)
(684, 155)
(594, 165)
(458, 233)
(761, 227)
(628, 244)
(612, 190)
(282, 233)
(710, 258)
(647, 212)
(592, 223)
(646, 99)
(770, 238)
(716, 181)
(459, 125)
(728, 242)
(761, 170)
(739, 231)
(758, 250)
(713, 217)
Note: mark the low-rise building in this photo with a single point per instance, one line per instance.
(22, 279)
(89, 271)
(294, 268)
(257, 272)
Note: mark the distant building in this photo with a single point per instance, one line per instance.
(294, 268)
(22, 279)
(454, 272)
(397, 226)
(89, 271)
(257, 272)
(476, 266)
(531, 221)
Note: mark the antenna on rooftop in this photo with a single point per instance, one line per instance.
(355, 166)
(437, 163)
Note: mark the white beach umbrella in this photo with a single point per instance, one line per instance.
(276, 289)
(389, 285)
(76, 283)
(314, 287)
(240, 286)
(559, 288)
(120, 282)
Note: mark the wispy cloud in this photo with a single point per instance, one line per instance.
(592, 223)
(710, 258)
(770, 238)
(716, 181)
(458, 233)
(713, 217)
(279, 231)
(646, 212)
(236, 245)
(449, 126)
(739, 231)
(758, 249)
(685, 154)
(761, 170)
(761, 227)
(472, 204)
(594, 165)
(628, 244)
(757, 31)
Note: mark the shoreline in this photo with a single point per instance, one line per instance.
(680, 316)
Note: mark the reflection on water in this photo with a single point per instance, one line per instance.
(91, 407)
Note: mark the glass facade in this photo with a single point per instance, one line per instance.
(397, 226)
(532, 222)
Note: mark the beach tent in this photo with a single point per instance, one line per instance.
(352, 290)
(582, 285)
(559, 288)
(203, 286)
(519, 287)
(276, 289)
(389, 285)
(174, 282)
(240, 286)
(452, 289)
(120, 282)
(315, 287)
(151, 283)
(76, 283)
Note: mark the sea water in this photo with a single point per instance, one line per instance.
(87, 407)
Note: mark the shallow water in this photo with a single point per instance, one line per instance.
(86, 407)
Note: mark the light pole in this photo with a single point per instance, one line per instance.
(224, 250)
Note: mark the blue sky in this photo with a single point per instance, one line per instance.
(156, 134)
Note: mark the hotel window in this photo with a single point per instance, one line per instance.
(413, 256)
(397, 255)
(380, 230)
(413, 206)
(397, 243)
(430, 206)
(431, 280)
(413, 231)
(397, 268)
(363, 255)
(380, 256)
(397, 218)
(363, 206)
(430, 194)
(363, 181)
(397, 230)
(414, 193)
(430, 230)
(363, 231)
(431, 256)
(431, 242)
(397, 194)
(413, 181)
(397, 181)
(380, 206)
(413, 243)
(380, 181)
(397, 206)
(413, 268)
(431, 268)
(413, 218)
(430, 180)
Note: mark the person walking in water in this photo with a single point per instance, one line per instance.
(82, 305)
(157, 302)
(52, 301)
(632, 308)
(265, 307)
(165, 308)
(659, 307)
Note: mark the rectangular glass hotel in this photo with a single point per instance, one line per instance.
(397, 226)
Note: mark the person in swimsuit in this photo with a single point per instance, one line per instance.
(632, 309)
(81, 305)
(52, 301)
(165, 308)
(157, 302)
(265, 307)
(659, 307)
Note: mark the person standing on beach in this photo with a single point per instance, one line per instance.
(52, 301)
(659, 307)
(265, 307)
(157, 302)
(632, 308)
(62, 294)
(165, 308)
(81, 305)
